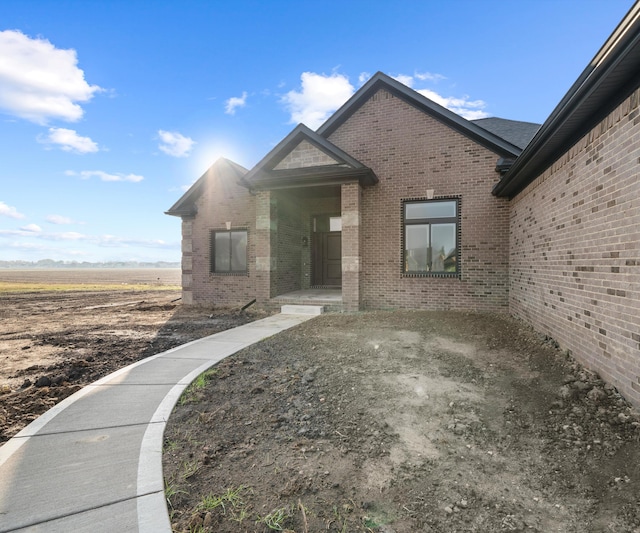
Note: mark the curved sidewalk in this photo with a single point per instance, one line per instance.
(94, 461)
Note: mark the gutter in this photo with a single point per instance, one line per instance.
(588, 92)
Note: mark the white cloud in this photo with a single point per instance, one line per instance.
(428, 76)
(466, 108)
(9, 211)
(38, 81)
(59, 220)
(70, 141)
(234, 102)
(105, 176)
(404, 79)
(319, 96)
(175, 144)
(363, 78)
(469, 109)
(31, 228)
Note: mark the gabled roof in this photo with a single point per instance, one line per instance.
(379, 81)
(223, 169)
(516, 132)
(333, 165)
(608, 79)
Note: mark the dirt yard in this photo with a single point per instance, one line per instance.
(381, 422)
(53, 343)
(403, 422)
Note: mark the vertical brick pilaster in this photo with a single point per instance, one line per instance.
(187, 260)
(351, 246)
(266, 246)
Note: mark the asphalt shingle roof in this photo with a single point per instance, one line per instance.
(516, 132)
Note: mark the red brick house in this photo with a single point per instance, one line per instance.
(396, 202)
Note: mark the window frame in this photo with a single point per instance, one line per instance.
(212, 252)
(430, 221)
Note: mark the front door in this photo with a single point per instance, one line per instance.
(327, 254)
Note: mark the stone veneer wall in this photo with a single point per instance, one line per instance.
(411, 152)
(575, 250)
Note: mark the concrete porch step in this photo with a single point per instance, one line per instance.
(292, 309)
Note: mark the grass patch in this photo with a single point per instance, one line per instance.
(191, 392)
(21, 286)
(231, 503)
(276, 519)
(170, 490)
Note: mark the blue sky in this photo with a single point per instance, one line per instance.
(109, 110)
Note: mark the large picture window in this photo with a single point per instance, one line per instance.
(229, 252)
(431, 237)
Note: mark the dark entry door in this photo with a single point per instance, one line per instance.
(327, 271)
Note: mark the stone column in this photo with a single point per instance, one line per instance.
(351, 246)
(187, 260)
(266, 246)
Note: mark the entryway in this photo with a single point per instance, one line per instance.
(326, 257)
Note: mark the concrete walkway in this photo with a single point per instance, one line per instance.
(94, 461)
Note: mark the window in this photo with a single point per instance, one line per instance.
(431, 237)
(229, 252)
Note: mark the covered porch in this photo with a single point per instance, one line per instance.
(308, 215)
(308, 246)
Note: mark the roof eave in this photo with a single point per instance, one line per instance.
(313, 178)
(587, 102)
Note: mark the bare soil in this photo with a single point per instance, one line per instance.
(381, 422)
(403, 422)
(53, 343)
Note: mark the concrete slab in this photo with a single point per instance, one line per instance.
(110, 406)
(120, 516)
(54, 476)
(208, 349)
(293, 309)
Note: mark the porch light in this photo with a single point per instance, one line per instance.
(228, 224)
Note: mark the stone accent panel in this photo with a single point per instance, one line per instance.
(187, 261)
(266, 246)
(575, 250)
(351, 246)
(305, 155)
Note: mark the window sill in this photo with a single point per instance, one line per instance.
(431, 274)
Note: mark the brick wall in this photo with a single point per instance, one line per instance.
(575, 250)
(221, 202)
(411, 152)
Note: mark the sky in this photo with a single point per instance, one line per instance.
(110, 110)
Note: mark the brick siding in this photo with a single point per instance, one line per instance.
(220, 203)
(411, 152)
(575, 250)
